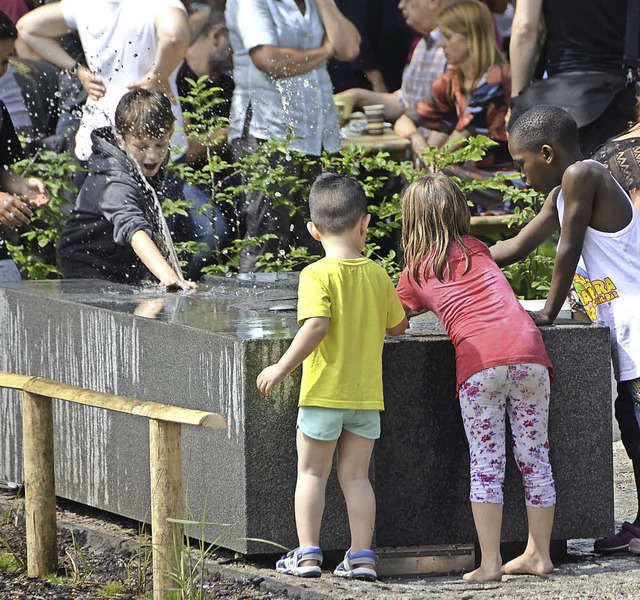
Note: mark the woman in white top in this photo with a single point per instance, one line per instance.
(282, 84)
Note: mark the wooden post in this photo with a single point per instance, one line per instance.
(39, 483)
(166, 502)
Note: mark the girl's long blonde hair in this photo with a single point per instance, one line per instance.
(474, 20)
(434, 214)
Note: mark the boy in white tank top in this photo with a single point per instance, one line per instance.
(597, 222)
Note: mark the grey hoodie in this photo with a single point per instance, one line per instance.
(114, 203)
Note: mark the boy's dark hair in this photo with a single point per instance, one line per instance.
(8, 29)
(545, 124)
(144, 113)
(336, 203)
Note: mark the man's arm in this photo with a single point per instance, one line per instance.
(393, 107)
(304, 343)
(524, 43)
(174, 34)
(579, 185)
(39, 29)
(287, 62)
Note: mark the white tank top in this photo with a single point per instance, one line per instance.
(609, 287)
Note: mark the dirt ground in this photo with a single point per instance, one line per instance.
(104, 557)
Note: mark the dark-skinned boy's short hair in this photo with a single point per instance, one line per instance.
(144, 113)
(8, 30)
(336, 203)
(545, 124)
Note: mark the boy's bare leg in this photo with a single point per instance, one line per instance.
(315, 458)
(354, 456)
(535, 560)
(488, 520)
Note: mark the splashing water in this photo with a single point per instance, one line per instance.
(166, 241)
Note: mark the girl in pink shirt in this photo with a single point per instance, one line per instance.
(501, 365)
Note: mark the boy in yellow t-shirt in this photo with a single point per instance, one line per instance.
(345, 304)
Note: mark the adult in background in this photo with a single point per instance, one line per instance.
(470, 98)
(621, 155)
(18, 195)
(426, 65)
(209, 54)
(29, 89)
(280, 52)
(126, 45)
(385, 43)
(585, 45)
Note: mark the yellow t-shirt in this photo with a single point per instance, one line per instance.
(345, 370)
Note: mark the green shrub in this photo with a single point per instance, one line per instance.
(267, 171)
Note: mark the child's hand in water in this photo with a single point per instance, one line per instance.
(269, 378)
(173, 284)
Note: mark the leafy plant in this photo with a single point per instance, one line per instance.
(8, 562)
(190, 574)
(280, 172)
(34, 250)
(138, 564)
(530, 278)
(80, 570)
(113, 588)
(13, 547)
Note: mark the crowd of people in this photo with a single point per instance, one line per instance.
(102, 79)
(277, 65)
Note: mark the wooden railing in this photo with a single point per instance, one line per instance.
(165, 424)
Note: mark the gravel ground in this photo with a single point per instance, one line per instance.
(106, 550)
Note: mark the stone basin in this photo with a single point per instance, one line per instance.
(204, 350)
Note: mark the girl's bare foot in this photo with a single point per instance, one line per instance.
(528, 565)
(483, 574)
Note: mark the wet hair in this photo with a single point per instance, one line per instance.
(8, 30)
(434, 214)
(336, 203)
(144, 113)
(474, 20)
(545, 124)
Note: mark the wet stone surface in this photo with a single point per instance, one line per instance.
(105, 549)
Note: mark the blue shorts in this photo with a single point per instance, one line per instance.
(326, 424)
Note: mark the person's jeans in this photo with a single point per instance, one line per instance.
(9, 271)
(205, 224)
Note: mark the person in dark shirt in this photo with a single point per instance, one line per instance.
(585, 45)
(208, 54)
(385, 43)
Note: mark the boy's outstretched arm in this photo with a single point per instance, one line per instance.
(579, 186)
(539, 229)
(304, 343)
(149, 254)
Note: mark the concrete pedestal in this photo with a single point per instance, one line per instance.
(205, 350)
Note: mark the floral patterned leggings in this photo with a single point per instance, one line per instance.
(523, 390)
